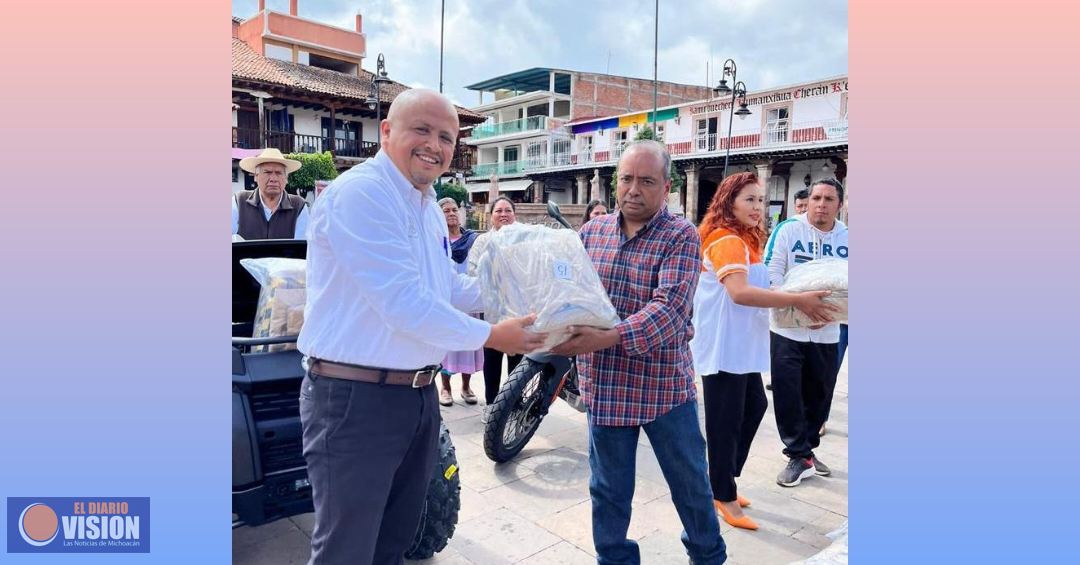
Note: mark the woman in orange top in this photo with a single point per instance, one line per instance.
(731, 332)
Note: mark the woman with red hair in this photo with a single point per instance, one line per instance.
(731, 332)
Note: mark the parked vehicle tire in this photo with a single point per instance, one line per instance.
(440, 514)
(517, 411)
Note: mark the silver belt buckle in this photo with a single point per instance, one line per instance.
(418, 375)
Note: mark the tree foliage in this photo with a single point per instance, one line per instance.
(315, 166)
(676, 177)
(452, 190)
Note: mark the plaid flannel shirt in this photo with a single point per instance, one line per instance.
(651, 279)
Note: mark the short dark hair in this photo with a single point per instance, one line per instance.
(833, 183)
(508, 201)
(803, 194)
(589, 208)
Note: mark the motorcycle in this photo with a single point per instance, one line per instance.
(528, 393)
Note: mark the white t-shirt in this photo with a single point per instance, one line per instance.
(729, 337)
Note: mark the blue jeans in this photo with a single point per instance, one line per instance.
(680, 449)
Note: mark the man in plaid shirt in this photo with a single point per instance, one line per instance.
(639, 375)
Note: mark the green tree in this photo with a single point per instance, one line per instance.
(314, 166)
(452, 190)
(645, 133)
(676, 177)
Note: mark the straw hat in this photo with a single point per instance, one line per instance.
(270, 155)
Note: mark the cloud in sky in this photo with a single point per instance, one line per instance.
(774, 42)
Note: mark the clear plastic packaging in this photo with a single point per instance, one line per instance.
(828, 273)
(529, 268)
(280, 311)
(837, 552)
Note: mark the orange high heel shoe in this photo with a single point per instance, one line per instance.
(745, 522)
(743, 502)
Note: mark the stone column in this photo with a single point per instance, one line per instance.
(764, 171)
(493, 188)
(538, 191)
(692, 192)
(582, 194)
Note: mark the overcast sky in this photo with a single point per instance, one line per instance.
(774, 42)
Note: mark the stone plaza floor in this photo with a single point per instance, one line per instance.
(536, 509)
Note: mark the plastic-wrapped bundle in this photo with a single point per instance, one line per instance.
(827, 273)
(280, 311)
(526, 268)
(837, 552)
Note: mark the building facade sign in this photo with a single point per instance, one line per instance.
(798, 93)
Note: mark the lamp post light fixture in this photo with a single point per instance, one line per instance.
(374, 99)
(739, 91)
(730, 70)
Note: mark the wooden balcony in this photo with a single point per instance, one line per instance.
(463, 158)
(289, 142)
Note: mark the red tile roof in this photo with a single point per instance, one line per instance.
(251, 66)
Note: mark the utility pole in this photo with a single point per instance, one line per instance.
(656, 51)
(442, 32)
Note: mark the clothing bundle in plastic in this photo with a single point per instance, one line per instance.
(280, 311)
(828, 273)
(526, 268)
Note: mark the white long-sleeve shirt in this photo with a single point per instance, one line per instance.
(381, 290)
(795, 241)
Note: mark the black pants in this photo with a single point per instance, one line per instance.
(803, 379)
(371, 451)
(493, 371)
(841, 349)
(734, 407)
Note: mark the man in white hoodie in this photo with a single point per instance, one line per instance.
(804, 360)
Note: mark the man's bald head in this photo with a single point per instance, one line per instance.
(419, 135)
(405, 102)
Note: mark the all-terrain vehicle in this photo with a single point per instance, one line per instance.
(269, 475)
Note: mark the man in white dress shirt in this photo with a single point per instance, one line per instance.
(383, 308)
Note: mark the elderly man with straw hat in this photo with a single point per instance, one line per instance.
(268, 212)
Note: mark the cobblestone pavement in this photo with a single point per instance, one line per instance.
(536, 510)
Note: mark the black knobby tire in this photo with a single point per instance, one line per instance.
(440, 515)
(517, 411)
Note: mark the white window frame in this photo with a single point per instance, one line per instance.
(701, 134)
(778, 130)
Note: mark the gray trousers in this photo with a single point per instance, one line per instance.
(371, 451)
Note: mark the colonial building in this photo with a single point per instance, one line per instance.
(524, 126)
(791, 136)
(300, 86)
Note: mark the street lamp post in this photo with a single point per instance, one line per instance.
(656, 50)
(442, 32)
(374, 99)
(739, 91)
